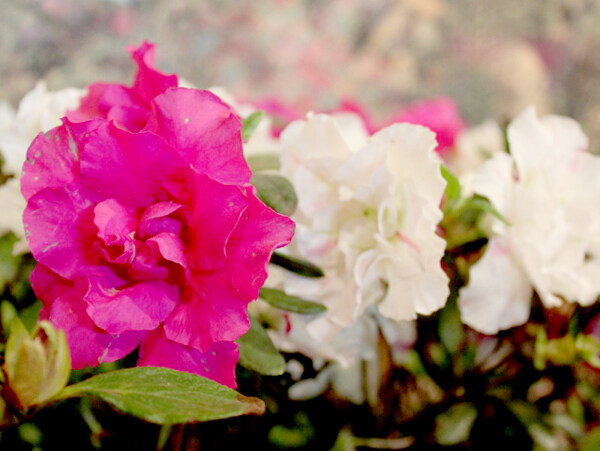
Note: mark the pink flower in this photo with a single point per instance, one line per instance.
(440, 115)
(146, 230)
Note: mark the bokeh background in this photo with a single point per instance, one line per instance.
(493, 57)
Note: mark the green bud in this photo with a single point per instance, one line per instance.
(36, 367)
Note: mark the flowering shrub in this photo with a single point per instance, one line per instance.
(440, 289)
(149, 234)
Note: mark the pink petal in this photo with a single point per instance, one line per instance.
(210, 310)
(142, 306)
(129, 167)
(63, 306)
(440, 115)
(170, 247)
(216, 363)
(102, 98)
(214, 217)
(149, 82)
(60, 231)
(155, 219)
(258, 233)
(205, 131)
(114, 221)
(51, 162)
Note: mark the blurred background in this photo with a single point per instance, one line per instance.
(494, 58)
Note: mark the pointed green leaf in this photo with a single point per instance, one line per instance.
(450, 327)
(258, 353)
(9, 264)
(279, 299)
(165, 396)
(7, 313)
(453, 185)
(485, 206)
(263, 162)
(296, 265)
(276, 192)
(454, 425)
(249, 124)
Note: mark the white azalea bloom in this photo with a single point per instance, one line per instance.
(39, 111)
(368, 209)
(546, 190)
(474, 146)
(262, 140)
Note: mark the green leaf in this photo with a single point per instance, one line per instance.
(591, 442)
(279, 299)
(9, 264)
(165, 396)
(249, 124)
(296, 265)
(263, 162)
(482, 204)
(30, 315)
(454, 425)
(450, 328)
(7, 313)
(257, 352)
(453, 185)
(276, 192)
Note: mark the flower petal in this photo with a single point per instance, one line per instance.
(142, 306)
(205, 131)
(217, 362)
(89, 345)
(490, 303)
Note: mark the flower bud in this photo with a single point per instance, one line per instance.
(36, 367)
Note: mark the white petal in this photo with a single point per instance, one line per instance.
(498, 295)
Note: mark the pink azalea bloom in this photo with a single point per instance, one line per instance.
(439, 115)
(146, 229)
(281, 114)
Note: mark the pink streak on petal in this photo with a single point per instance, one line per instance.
(408, 241)
(216, 363)
(205, 131)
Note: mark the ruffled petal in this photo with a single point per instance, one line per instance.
(204, 130)
(498, 295)
(142, 306)
(89, 345)
(216, 363)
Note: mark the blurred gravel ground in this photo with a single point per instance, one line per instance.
(494, 57)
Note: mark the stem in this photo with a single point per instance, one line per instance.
(163, 436)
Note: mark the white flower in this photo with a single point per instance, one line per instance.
(367, 214)
(474, 146)
(39, 111)
(547, 190)
(262, 140)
